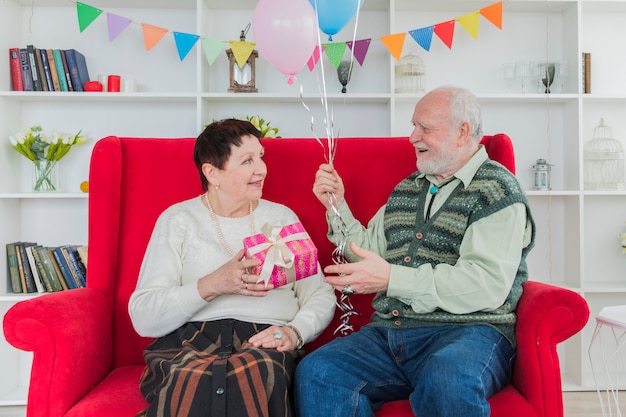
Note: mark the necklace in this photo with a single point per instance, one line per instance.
(220, 235)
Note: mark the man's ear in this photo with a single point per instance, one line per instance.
(464, 133)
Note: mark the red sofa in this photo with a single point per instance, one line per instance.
(87, 357)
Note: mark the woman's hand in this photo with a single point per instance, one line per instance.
(232, 278)
(280, 338)
(328, 186)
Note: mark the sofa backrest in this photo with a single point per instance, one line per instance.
(132, 180)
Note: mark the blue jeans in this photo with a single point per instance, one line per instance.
(445, 371)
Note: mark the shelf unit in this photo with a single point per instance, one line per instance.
(578, 244)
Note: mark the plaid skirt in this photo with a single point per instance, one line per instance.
(209, 369)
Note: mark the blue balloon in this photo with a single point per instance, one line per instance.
(333, 15)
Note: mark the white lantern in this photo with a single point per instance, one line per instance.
(410, 75)
(603, 160)
(541, 175)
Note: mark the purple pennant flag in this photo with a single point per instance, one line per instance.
(116, 25)
(423, 36)
(360, 49)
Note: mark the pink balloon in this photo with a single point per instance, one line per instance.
(285, 32)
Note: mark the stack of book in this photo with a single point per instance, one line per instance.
(34, 69)
(33, 268)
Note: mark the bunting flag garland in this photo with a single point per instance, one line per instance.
(184, 43)
(423, 36)
(86, 15)
(469, 22)
(241, 51)
(312, 62)
(152, 35)
(360, 49)
(445, 32)
(116, 25)
(334, 51)
(212, 48)
(394, 43)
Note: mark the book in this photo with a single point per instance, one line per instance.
(26, 275)
(27, 75)
(82, 252)
(43, 273)
(51, 271)
(33, 67)
(53, 70)
(40, 71)
(68, 77)
(587, 72)
(58, 61)
(64, 268)
(16, 69)
(46, 69)
(33, 268)
(72, 265)
(78, 68)
(12, 269)
(77, 263)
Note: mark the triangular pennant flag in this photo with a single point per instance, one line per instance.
(116, 25)
(184, 43)
(315, 57)
(86, 15)
(212, 48)
(394, 43)
(360, 49)
(334, 52)
(470, 23)
(241, 51)
(493, 13)
(423, 36)
(445, 32)
(152, 35)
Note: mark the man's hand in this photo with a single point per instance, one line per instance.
(327, 185)
(368, 275)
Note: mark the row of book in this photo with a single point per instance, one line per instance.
(33, 268)
(34, 69)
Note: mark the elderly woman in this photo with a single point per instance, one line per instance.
(225, 345)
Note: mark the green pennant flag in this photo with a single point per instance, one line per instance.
(334, 52)
(212, 48)
(86, 15)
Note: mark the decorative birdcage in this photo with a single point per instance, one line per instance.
(410, 75)
(603, 160)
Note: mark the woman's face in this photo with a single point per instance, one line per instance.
(244, 173)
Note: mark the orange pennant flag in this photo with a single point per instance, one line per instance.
(445, 32)
(152, 35)
(470, 23)
(394, 43)
(493, 13)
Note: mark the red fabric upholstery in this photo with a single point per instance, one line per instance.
(87, 357)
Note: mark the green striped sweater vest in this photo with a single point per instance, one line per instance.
(413, 242)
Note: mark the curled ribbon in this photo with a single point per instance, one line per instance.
(278, 253)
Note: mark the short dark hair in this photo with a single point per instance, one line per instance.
(214, 144)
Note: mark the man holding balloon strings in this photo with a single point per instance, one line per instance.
(446, 257)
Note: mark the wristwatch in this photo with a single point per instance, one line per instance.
(299, 342)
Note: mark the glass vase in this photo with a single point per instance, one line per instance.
(45, 176)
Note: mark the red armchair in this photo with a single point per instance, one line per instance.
(87, 357)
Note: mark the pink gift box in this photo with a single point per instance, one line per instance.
(288, 251)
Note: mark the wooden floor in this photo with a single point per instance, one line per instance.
(587, 404)
(576, 404)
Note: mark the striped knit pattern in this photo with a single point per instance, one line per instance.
(492, 189)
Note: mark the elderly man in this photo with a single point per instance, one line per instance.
(446, 257)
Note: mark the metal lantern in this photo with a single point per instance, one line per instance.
(410, 75)
(603, 160)
(541, 175)
(242, 79)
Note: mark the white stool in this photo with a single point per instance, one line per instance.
(613, 317)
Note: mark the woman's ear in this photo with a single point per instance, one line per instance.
(211, 174)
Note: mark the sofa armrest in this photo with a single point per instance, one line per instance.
(546, 316)
(72, 350)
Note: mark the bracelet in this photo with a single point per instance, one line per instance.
(299, 342)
